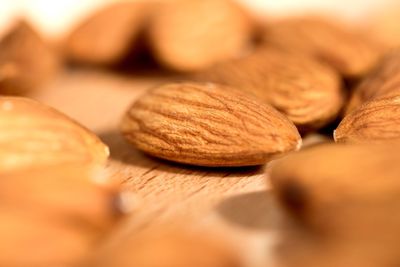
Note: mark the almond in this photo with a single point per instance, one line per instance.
(375, 121)
(41, 220)
(109, 35)
(208, 125)
(168, 248)
(190, 35)
(383, 81)
(26, 60)
(350, 52)
(306, 91)
(320, 185)
(34, 135)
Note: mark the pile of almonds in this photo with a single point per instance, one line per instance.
(249, 93)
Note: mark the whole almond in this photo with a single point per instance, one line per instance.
(308, 92)
(190, 35)
(26, 61)
(350, 52)
(37, 208)
(340, 195)
(167, 248)
(110, 34)
(383, 81)
(319, 185)
(34, 135)
(208, 125)
(375, 121)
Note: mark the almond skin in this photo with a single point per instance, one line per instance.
(208, 125)
(38, 206)
(350, 52)
(383, 81)
(308, 92)
(167, 248)
(375, 121)
(190, 35)
(34, 135)
(109, 35)
(26, 60)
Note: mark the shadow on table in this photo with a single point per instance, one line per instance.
(255, 210)
(124, 152)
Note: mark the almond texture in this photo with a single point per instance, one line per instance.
(208, 124)
(375, 121)
(110, 34)
(383, 81)
(189, 35)
(350, 52)
(26, 61)
(34, 135)
(53, 216)
(309, 93)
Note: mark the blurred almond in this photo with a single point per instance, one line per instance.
(308, 92)
(383, 81)
(26, 60)
(167, 248)
(110, 34)
(53, 216)
(208, 125)
(34, 135)
(190, 35)
(375, 121)
(350, 52)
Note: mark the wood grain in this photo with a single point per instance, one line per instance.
(233, 202)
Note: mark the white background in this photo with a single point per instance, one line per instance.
(56, 17)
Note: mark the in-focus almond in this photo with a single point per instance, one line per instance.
(308, 92)
(190, 35)
(34, 135)
(375, 121)
(209, 125)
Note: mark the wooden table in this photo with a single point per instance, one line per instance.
(235, 203)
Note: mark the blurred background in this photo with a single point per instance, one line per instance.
(55, 18)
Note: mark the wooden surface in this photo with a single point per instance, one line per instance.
(236, 203)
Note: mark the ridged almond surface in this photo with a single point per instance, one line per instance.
(308, 92)
(26, 60)
(383, 81)
(53, 216)
(208, 125)
(110, 34)
(375, 121)
(167, 248)
(34, 135)
(350, 52)
(190, 35)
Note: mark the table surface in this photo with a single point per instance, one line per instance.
(234, 202)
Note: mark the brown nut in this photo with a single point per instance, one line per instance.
(383, 81)
(208, 125)
(26, 61)
(190, 35)
(167, 248)
(349, 52)
(53, 216)
(306, 91)
(34, 135)
(375, 121)
(109, 35)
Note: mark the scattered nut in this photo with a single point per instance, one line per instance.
(208, 125)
